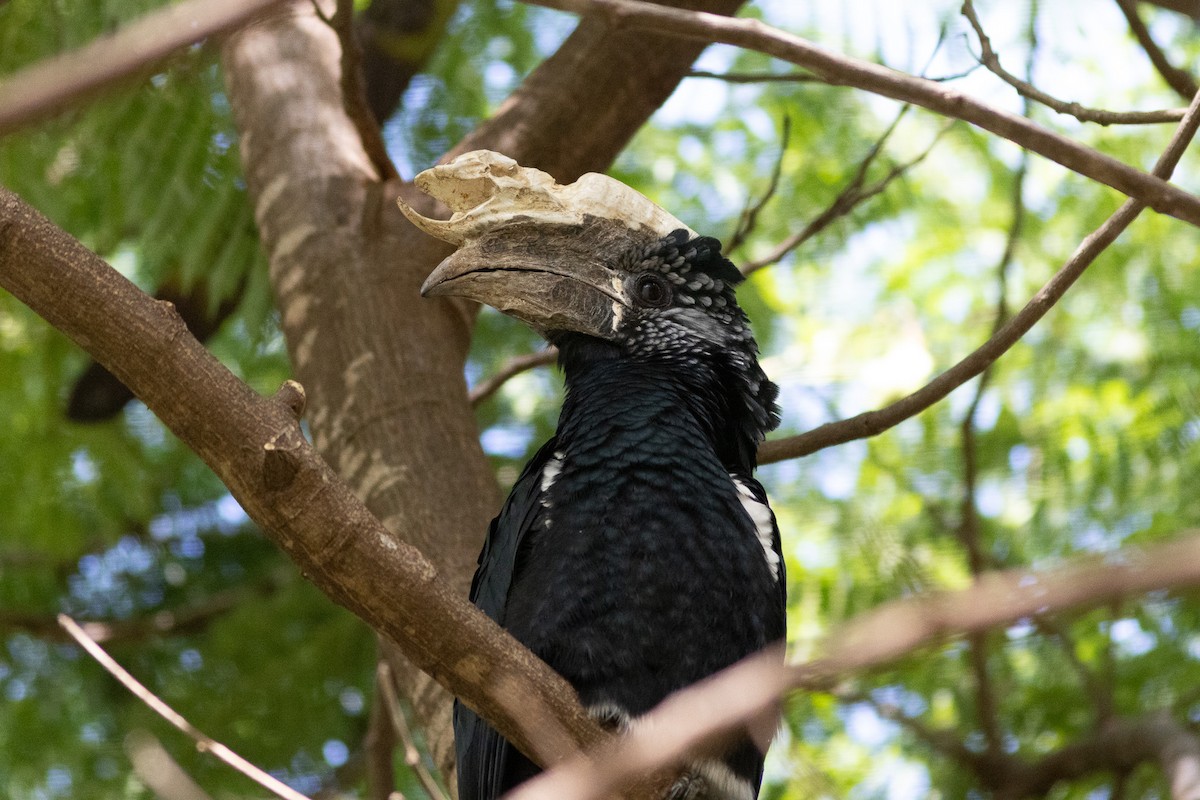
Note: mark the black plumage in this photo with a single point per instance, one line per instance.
(636, 553)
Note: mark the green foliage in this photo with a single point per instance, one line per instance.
(1084, 436)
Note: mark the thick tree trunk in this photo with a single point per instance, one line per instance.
(382, 370)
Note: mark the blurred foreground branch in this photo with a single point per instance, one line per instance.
(50, 85)
(748, 692)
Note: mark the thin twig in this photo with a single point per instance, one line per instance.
(379, 745)
(1182, 82)
(955, 76)
(988, 58)
(757, 77)
(852, 195)
(748, 220)
(354, 90)
(873, 422)
(412, 756)
(52, 84)
(510, 369)
(843, 70)
(204, 743)
(970, 527)
(802, 77)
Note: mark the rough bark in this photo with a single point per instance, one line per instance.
(378, 406)
(256, 447)
(579, 108)
(397, 37)
(387, 402)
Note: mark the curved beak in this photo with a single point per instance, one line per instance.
(551, 277)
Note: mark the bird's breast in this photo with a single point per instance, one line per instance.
(647, 571)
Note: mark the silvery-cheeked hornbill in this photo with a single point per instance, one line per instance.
(636, 553)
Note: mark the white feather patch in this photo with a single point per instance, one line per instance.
(610, 716)
(720, 781)
(550, 473)
(704, 778)
(764, 523)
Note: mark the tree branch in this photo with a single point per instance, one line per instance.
(989, 59)
(845, 71)
(48, 86)
(1098, 691)
(756, 77)
(1182, 82)
(385, 684)
(874, 422)
(510, 369)
(854, 194)
(1189, 8)
(160, 623)
(204, 743)
(379, 746)
(368, 327)
(944, 741)
(620, 76)
(398, 37)
(970, 533)
(748, 220)
(255, 445)
(1119, 747)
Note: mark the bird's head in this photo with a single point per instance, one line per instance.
(594, 258)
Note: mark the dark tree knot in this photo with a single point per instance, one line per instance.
(281, 462)
(291, 394)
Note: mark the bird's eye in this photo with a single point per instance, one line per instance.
(653, 290)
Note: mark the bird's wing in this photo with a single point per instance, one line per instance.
(484, 757)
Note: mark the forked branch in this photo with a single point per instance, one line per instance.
(871, 423)
(842, 70)
(990, 60)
